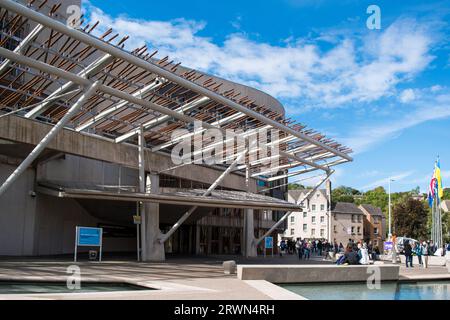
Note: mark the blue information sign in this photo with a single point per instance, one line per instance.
(268, 242)
(388, 245)
(89, 236)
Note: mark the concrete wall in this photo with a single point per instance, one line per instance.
(56, 220)
(81, 170)
(17, 214)
(44, 225)
(67, 141)
(315, 273)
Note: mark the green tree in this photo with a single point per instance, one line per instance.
(344, 194)
(446, 194)
(295, 186)
(376, 197)
(410, 219)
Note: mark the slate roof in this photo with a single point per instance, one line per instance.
(373, 211)
(346, 207)
(297, 194)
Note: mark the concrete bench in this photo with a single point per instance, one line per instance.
(315, 273)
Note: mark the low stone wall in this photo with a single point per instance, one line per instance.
(315, 273)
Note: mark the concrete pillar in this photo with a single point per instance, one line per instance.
(154, 251)
(190, 235)
(197, 239)
(249, 233)
(208, 242)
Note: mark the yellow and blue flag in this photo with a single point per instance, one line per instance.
(438, 176)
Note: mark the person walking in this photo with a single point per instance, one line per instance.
(425, 250)
(419, 252)
(319, 248)
(307, 248)
(299, 247)
(408, 254)
(282, 247)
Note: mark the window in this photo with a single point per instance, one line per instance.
(322, 232)
(313, 207)
(313, 232)
(322, 219)
(359, 230)
(305, 227)
(292, 219)
(292, 232)
(353, 230)
(313, 219)
(375, 230)
(359, 218)
(353, 218)
(334, 229)
(304, 214)
(375, 219)
(322, 207)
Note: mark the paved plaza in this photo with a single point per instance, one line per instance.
(178, 278)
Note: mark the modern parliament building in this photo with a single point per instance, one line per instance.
(87, 138)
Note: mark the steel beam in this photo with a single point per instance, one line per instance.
(48, 138)
(22, 45)
(154, 122)
(92, 68)
(289, 212)
(90, 122)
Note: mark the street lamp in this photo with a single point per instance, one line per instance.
(390, 221)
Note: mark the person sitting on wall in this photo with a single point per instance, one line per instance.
(363, 253)
(350, 256)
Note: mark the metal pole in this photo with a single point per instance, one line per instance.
(95, 66)
(289, 212)
(389, 209)
(141, 160)
(48, 138)
(124, 55)
(138, 236)
(25, 42)
(101, 244)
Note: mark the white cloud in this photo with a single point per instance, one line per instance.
(361, 69)
(407, 95)
(427, 109)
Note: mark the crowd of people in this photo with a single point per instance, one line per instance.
(422, 249)
(305, 249)
(358, 252)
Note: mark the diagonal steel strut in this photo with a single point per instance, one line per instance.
(48, 138)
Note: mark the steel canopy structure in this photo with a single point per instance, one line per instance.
(73, 79)
(136, 90)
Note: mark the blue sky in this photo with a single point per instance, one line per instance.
(385, 93)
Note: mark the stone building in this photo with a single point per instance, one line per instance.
(312, 222)
(374, 226)
(347, 223)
